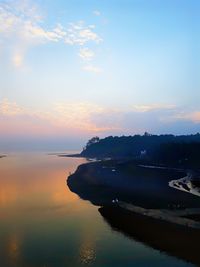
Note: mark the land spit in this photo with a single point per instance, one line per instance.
(173, 216)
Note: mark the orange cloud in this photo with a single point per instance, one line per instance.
(83, 119)
(10, 108)
(60, 119)
(192, 116)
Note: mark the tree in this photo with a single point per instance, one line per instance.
(93, 140)
(147, 134)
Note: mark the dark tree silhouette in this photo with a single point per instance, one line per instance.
(92, 141)
(163, 149)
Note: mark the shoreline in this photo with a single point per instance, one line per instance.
(70, 155)
(179, 184)
(186, 184)
(90, 159)
(102, 181)
(179, 217)
(173, 239)
(147, 207)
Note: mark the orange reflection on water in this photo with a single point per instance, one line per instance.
(35, 181)
(88, 245)
(8, 194)
(34, 203)
(87, 252)
(14, 244)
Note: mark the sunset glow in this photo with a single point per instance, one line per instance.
(74, 71)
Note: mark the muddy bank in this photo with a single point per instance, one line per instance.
(100, 182)
(173, 239)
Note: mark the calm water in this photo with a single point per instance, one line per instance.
(43, 224)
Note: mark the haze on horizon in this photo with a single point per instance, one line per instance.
(71, 70)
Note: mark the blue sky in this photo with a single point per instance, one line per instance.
(74, 69)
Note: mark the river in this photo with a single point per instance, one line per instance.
(43, 224)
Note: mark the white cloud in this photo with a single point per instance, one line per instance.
(39, 34)
(97, 13)
(80, 34)
(86, 53)
(22, 26)
(152, 107)
(16, 25)
(91, 68)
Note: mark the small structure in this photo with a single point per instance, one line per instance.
(143, 153)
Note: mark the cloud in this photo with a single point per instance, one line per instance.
(22, 27)
(14, 20)
(8, 108)
(152, 107)
(86, 53)
(97, 13)
(38, 34)
(79, 116)
(190, 116)
(63, 117)
(19, 21)
(85, 119)
(18, 59)
(80, 34)
(91, 68)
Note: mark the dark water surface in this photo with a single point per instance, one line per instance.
(43, 224)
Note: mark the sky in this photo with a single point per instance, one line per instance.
(70, 70)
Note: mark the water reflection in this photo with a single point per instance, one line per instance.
(14, 244)
(42, 223)
(88, 245)
(87, 252)
(174, 240)
(35, 201)
(37, 184)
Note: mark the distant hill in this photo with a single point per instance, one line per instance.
(160, 148)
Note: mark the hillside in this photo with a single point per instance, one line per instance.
(161, 149)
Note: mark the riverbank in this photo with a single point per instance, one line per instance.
(189, 184)
(145, 207)
(176, 240)
(102, 181)
(70, 155)
(180, 217)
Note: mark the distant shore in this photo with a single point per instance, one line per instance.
(90, 159)
(70, 155)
